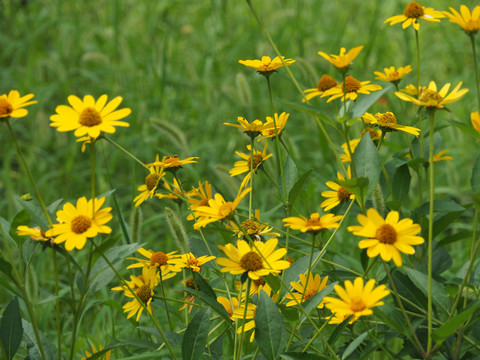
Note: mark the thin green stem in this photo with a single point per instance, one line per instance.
(164, 300)
(124, 150)
(269, 177)
(244, 316)
(472, 39)
(250, 199)
(417, 42)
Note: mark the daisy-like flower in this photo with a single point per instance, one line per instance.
(307, 290)
(230, 307)
(254, 228)
(36, 233)
(387, 122)
(356, 299)
(12, 105)
(280, 121)
(387, 237)
(89, 117)
(199, 197)
(314, 224)
(266, 66)
(245, 165)
(190, 261)
(338, 194)
(249, 315)
(412, 13)
(249, 259)
(440, 156)
(475, 118)
(217, 209)
(469, 22)
(375, 134)
(431, 98)
(77, 223)
(325, 83)
(156, 259)
(252, 129)
(255, 287)
(151, 183)
(173, 192)
(345, 157)
(172, 163)
(94, 351)
(412, 89)
(350, 89)
(343, 60)
(144, 286)
(393, 75)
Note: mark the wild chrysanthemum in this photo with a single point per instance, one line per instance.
(245, 165)
(387, 237)
(12, 105)
(355, 299)
(254, 228)
(199, 197)
(250, 315)
(345, 157)
(469, 22)
(36, 233)
(306, 290)
(172, 163)
(350, 89)
(387, 122)
(151, 183)
(313, 224)
(94, 351)
(325, 83)
(267, 65)
(77, 223)
(89, 117)
(156, 259)
(252, 129)
(230, 307)
(144, 286)
(280, 121)
(343, 60)
(259, 260)
(255, 287)
(393, 75)
(431, 98)
(190, 261)
(475, 118)
(338, 194)
(412, 13)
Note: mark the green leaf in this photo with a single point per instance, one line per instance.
(290, 172)
(22, 218)
(367, 162)
(354, 345)
(291, 355)
(317, 298)
(439, 294)
(195, 337)
(357, 186)
(6, 268)
(293, 193)
(338, 330)
(447, 329)
(270, 327)
(441, 261)
(36, 212)
(361, 106)
(309, 109)
(11, 329)
(401, 183)
(392, 318)
(32, 344)
(475, 178)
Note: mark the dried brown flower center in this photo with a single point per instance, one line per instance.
(309, 293)
(5, 107)
(144, 293)
(226, 209)
(343, 195)
(251, 261)
(325, 83)
(428, 96)
(189, 283)
(257, 161)
(386, 234)
(414, 10)
(158, 259)
(90, 117)
(387, 119)
(250, 226)
(203, 202)
(259, 282)
(352, 84)
(80, 224)
(151, 181)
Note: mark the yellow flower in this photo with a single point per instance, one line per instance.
(173, 192)
(280, 121)
(156, 259)
(430, 98)
(469, 22)
(325, 83)
(77, 223)
(387, 237)
(151, 183)
(351, 89)
(249, 315)
(252, 129)
(12, 105)
(388, 122)
(94, 351)
(439, 156)
(475, 118)
(343, 60)
(89, 117)
(267, 65)
(84, 140)
(199, 197)
(230, 307)
(355, 299)
(190, 261)
(254, 228)
(258, 260)
(393, 75)
(307, 290)
(35, 233)
(412, 89)
(255, 287)
(345, 157)
(338, 195)
(314, 224)
(172, 163)
(144, 290)
(217, 209)
(245, 165)
(188, 298)
(412, 13)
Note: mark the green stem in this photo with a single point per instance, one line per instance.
(124, 150)
(269, 177)
(165, 301)
(417, 42)
(250, 199)
(472, 39)
(247, 298)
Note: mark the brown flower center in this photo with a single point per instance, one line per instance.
(170, 161)
(430, 96)
(90, 117)
(309, 293)
(413, 10)
(352, 84)
(144, 293)
(343, 195)
(386, 234)
(313, 222)
(357, 304)
(251, 261)
(5, 107)
(250, 226)
(158, 259)
(226, 209)
(151, 181)
(259, 282)
(192, 261)
(203, 202)
(394, 75)
(325, 83)
(80, 224)
(387, 119)
(257, 161)
(189, 283)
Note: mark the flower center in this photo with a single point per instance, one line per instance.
(309, 293)
(226, 209)
(357, 304)
(159, 258)
(343, 195)
(5, 107)
(250, 226)
(189, 283)
(386, 234)
(251, 261)
(313, 222)
(259, 282)
(257, 161)
(430, 97)
(192, 261)
(90, 117)
(326, 82)
(144, 293)
(171, 161)
(387, 119)
(394, 76)
(80, 224)
(203, 202)
(352, 84)
(413, 10)
(151, 181)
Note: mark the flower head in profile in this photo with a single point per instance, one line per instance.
(279, 121)
(230, 307)
(190, 261)
(356, 299)
(255, 260)
(143, 289)
(255, 287)
(306, 290)
(94, 351)
(393, 75)
(387, 122)
(387, 237)
(314, 224)
(350, 89)
(199, 197)
(36, 233)
(351, 146)
(78, 222)
(172, 163)
(325, 83)
(475, 118)
(433, 99)
(266, 66)
(156, 259)
(469, 22)
(412, 13)
(89, 116)
(245, 165)
(252, 129)
(12, 105)
(253, 227)
(152, 180)
(173, 191)
(441, 156)
(249, 315)
(338, 194)
(344, 59)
